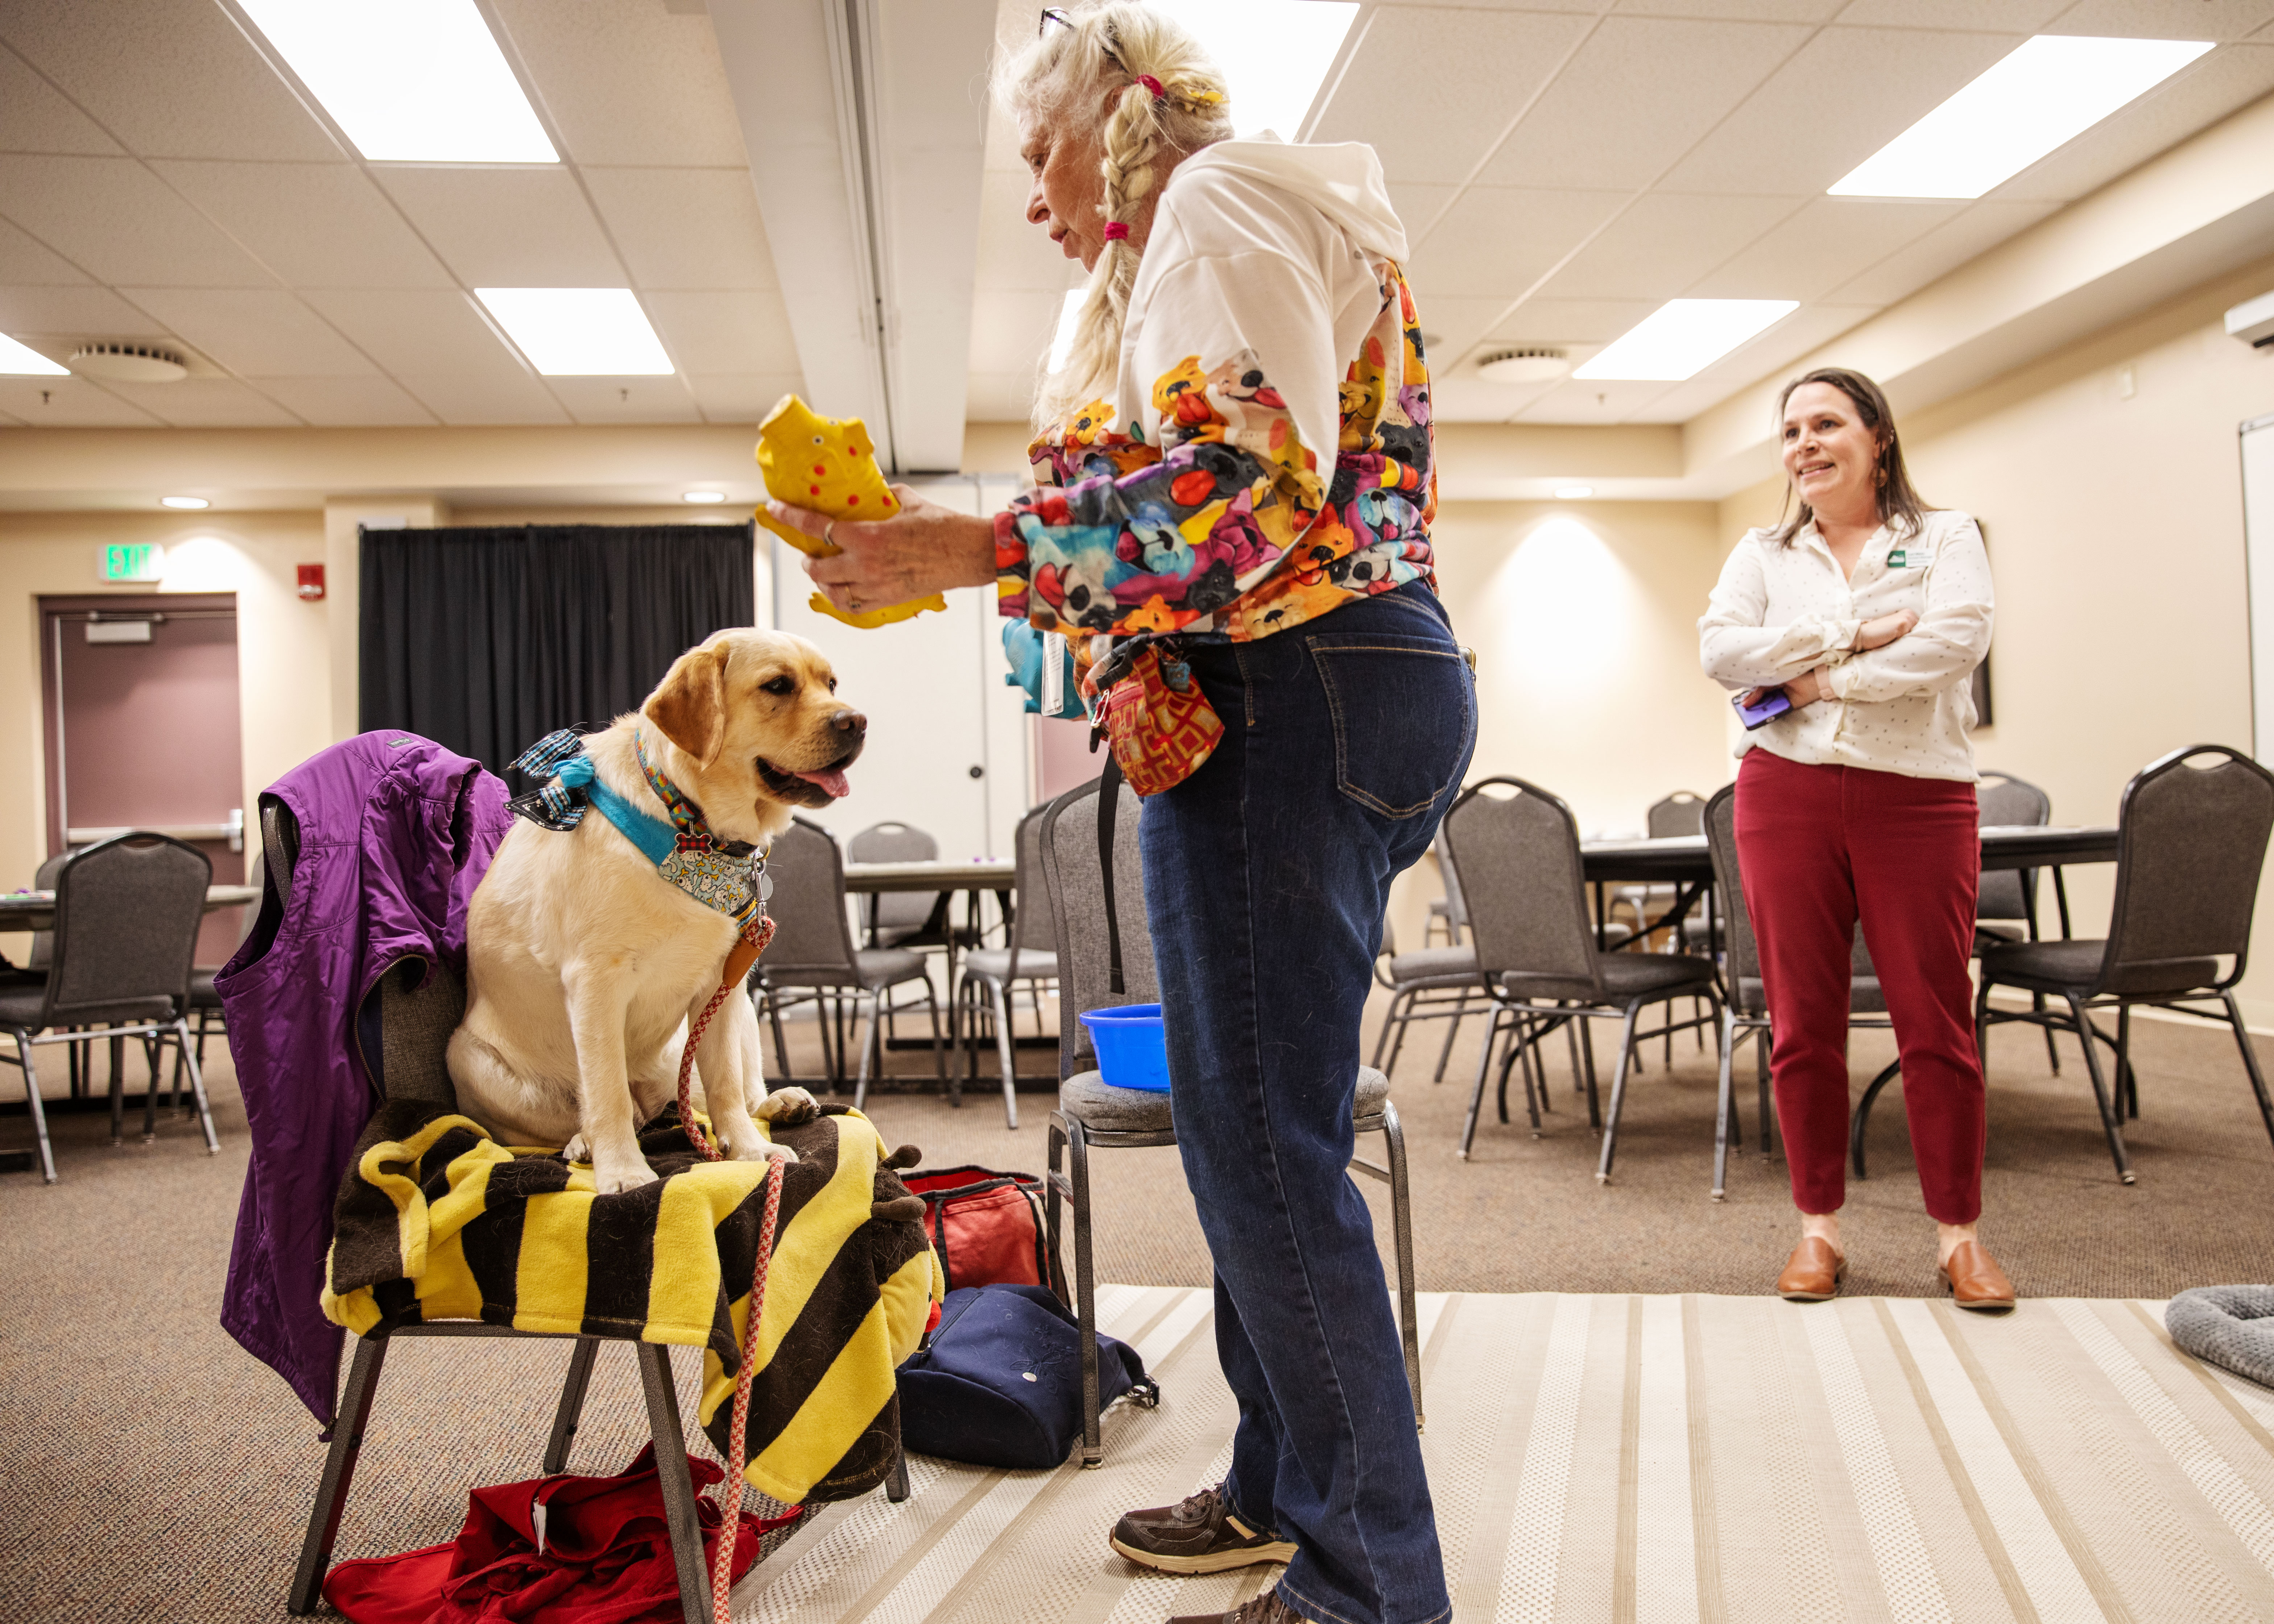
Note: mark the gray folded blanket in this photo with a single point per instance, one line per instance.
(2231, 1326)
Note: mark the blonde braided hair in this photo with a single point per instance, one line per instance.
(1095, 64)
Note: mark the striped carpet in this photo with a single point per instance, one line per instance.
(1659, 1458)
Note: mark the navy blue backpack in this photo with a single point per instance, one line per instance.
(999, 1382)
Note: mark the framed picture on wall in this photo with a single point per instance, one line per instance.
(1984, 714)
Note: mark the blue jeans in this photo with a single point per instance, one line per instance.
(1267, 874)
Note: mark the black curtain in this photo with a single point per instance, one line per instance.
(486, 639)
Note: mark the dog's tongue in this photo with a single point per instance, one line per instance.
(829, 780)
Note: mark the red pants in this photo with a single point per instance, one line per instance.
(1819, 847)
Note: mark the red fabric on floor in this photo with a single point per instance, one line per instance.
(605, 1556)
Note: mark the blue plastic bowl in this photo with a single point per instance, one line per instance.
(1132, 1050)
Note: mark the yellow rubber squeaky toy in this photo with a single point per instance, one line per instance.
(829, 465)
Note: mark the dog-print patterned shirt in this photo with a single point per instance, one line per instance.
(1195, 504)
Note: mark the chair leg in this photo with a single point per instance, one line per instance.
(32, 1095)
(938, 1048)
(2250, 1062)
(678, 1515)
(571, 1408)
(1587, 1053)
(869, 1042)
(781, 1040)
(1484, 1073)
(1452, 1030)
(2052, 1050)
(339, 1472)
(197, 1091)
(1535, 1068)
(1618, 1091)
(896, 1484)
(117, 1089)
(2108, 1117)
(2127, 1083)
(1009, 1056)
(1401, 1225)
(1085, 1279)
(1861, 1122)
(1764, 1041)
(1382, 1038)
(1721, 1107)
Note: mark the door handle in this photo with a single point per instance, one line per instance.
(232, 831)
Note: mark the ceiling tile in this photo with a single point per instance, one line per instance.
(685, 228)
(1501, 239)
(362, 241)
(999, 397)
(1012, 252)
(1775, 354)
(71, 403)
(82, 310)
(254, 332)
(628, 84)
(1418, 205)
(1569, 321)
(1473, 400)
(743, 397)
(347, 402)
(420, 331)
(1639, 95)
(2166, 20)
(23, 259)
(1012, 329)
(1830, 241)
(2228, 79)
(34, 118)
(1736, 11)
(122, 223)
(484, 397)
(627, 400)
(1450, 325)
(1841, 97)
(1941, 251)
(206, 403)
(169, 78)
(716, 331)
(1483, 67)
(1579, 401)
(507, 228)
(1662, 245)
(2016, 16)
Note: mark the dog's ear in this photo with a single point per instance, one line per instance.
(689, 706)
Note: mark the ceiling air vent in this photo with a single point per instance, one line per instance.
(128, 364)
(1530, 366)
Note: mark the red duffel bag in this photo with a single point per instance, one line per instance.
(988, 1228)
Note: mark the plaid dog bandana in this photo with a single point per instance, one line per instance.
(726, 875)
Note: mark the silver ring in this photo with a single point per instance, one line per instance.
(853, 603)
(829, 534)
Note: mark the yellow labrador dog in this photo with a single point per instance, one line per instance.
(585, 964)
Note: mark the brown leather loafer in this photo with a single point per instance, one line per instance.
(1975, 1278)
(1813, 1272)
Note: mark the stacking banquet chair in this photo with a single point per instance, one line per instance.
(989, 976)
(2007, 908)
(1092, 1114)
(812, 955)
(1517, 847)
(1434, 983)
(1745, 1010)
(127, 913)
(2191, 830)
(893, 918)
(404, 1032)
(1446, 910)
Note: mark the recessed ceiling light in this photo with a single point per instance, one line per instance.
(183, 501)
(22, 361)
(1061, 344)
(1274, 54)
(579, 332)
(703, 498)
(1574, 493)
(1524, 366)
(410, 81)
(2047, 91)
(1683, 337)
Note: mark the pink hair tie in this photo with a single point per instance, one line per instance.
(1152, 85)
(1116, 232)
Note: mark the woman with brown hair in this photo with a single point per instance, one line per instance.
(1869, 610)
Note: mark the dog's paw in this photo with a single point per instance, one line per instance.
(791, 1107)
(617, 1176)
(577, 1150)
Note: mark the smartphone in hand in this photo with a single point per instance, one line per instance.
(1770, 706)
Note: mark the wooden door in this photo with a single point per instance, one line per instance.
(141, 718)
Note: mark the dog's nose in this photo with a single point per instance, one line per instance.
(850, 723)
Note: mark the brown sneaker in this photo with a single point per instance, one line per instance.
(1197, 1535)
(1813, 1274)
(1975, 1278)
(1264, 1609)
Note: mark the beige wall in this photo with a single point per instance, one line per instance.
(2115, 529)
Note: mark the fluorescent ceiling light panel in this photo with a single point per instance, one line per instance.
(1069, 313)
(1274, 54)
(1683, 337)
(2048, 90)
(703, 499)
(579, 332)
(188, 503)
(22, 361)
(1574, 493)
(410, 81)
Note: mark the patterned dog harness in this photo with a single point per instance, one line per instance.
(729, 875)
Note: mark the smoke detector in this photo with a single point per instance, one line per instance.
(1530, 366)
(129, 364)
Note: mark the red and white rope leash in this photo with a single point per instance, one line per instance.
(752, 942)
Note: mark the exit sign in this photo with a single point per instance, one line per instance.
(141, 561)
